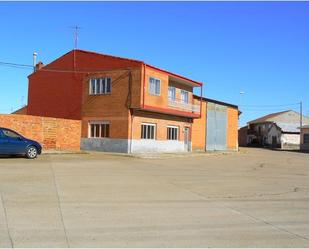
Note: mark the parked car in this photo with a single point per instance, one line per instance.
(12, 143)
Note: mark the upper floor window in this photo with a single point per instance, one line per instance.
(100, 85)
(306, 138)
(154, 86)
(99, 129)
(184, 96)
(171, 93)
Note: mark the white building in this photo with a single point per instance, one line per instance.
(279, 129)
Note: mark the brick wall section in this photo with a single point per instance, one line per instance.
(111, 107)
(51, 133)
(232, 128)
(161, 121)
(199, 130)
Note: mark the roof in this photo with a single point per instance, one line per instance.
(267, 118)
(216, 101)
(288, 127)
(197, 83)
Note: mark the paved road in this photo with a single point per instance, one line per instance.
(256, 198)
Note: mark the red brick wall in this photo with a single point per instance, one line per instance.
(56, 91)
(51, 133)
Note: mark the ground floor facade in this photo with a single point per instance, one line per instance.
(150, 132)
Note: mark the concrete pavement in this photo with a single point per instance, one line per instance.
(257, 198)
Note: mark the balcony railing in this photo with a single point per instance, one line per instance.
(180, 105)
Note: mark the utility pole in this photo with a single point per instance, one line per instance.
(301, 114)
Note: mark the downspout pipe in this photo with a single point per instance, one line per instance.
(144, 84)
(201, 101)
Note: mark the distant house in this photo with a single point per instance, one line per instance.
(22, 110)
(304, 138)
(280, 130)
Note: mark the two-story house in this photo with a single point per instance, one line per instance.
(125, 105)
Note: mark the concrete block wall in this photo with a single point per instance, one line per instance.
(51, 133)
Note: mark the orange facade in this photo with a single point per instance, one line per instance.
(62, 89)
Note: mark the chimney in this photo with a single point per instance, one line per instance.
(39, 66)
(34, 60)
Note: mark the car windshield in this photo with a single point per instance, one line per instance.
(10, 134)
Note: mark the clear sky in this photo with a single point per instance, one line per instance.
(261, 48)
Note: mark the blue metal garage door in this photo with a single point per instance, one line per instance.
(216, 127)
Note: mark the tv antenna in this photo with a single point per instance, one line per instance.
(76, 33)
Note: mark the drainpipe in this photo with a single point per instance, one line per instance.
(144, 83)
(131, 135)
(201, 101)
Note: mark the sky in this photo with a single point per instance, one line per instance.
(259, 48)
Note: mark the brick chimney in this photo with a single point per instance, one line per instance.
(39, 65)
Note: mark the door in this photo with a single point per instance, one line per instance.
(3, 144)
(216, 128)
(15, 144)
(187, 138)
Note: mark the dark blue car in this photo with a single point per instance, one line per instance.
(12, 143)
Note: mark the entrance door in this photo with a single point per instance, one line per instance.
(187, 138)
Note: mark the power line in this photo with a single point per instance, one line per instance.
(24, 66)
(16, 65)
(290, 104)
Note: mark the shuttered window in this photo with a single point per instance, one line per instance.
(99, 129)
(148, 131)
(172, 132)
(100, 86)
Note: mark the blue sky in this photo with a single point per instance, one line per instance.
(261, 48)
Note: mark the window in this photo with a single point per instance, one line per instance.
(148, 131)
(171, 93)
(99, 129)
(184, 96)
(172, 132)
(100, 86)
(10, 134)
(154, 86)
(306, 138)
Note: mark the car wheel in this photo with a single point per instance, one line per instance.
(32, 152)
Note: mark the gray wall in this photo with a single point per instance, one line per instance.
(138, 146)
(105, 144)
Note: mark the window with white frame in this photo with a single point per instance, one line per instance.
(184, 96)
(98, 129)
(148, 131)
(172, 132)
(154, 86)
(100, 86)
(306, 138)
(171, 93)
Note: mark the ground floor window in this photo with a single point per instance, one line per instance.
(306, 138)
(172, 132)
(99, 129)
(148, 131)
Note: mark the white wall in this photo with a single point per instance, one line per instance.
(148, 145)
(290, 139)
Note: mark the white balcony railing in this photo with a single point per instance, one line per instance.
(179, 104)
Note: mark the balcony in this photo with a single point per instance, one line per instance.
(181, 106)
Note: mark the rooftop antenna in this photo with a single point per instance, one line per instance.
(76, 32)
